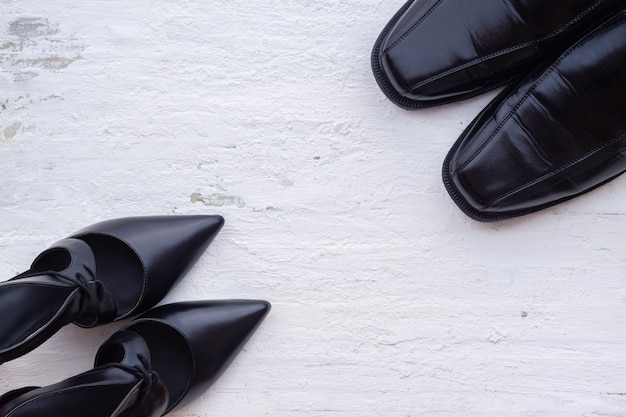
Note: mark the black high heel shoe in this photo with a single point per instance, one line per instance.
(105, 272)
(155, 364)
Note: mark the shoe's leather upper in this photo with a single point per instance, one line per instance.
(559, 133)
(444, 50)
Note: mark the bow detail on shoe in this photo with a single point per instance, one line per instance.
(129, 351)
(71, 261)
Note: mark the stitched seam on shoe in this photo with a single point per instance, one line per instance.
(514, 108)
(537, 147)
(415, 25)
(523, 99)
(504, 51)
(557, 171)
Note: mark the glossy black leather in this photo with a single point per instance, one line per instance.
(558, 133)
(105, 272)
(439, 51)
(155, 364)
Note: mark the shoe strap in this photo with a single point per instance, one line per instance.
(129, 350)
(96, 304)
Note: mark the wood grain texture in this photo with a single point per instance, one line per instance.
(387, 300)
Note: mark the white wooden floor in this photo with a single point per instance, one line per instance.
(387, 300)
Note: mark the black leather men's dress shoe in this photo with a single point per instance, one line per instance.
(105, 272)
(159, 362)
(434, 52)
(558, 133)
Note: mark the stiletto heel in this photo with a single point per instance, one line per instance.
(105, 272)
(155, 364)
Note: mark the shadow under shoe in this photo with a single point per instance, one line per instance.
(155, 364)
(105, 272)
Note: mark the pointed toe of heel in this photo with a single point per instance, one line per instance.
(192, 343)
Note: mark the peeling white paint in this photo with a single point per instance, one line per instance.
(387, 300)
